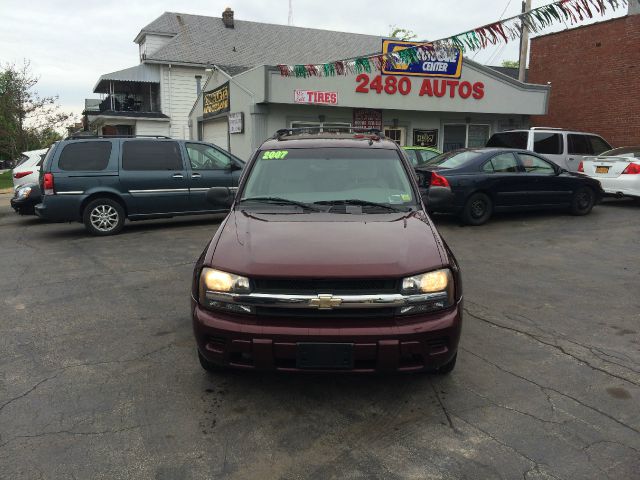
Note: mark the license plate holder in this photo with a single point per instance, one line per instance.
(602, 169)
(312, 355)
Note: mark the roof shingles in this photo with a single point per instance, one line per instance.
(205, 40)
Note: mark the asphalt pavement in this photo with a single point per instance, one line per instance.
(99, 377)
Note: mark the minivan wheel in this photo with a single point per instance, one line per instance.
(477, 210)
(103, 216)
(582, 201)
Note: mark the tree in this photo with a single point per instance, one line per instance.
(401, 33)
(511, 63)
(27, 120)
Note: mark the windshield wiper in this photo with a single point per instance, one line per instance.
(363, 203)
(279, 201)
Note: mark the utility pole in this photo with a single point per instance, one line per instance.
(524, 43)
(290, 22)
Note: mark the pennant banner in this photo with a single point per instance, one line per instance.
(502, 31)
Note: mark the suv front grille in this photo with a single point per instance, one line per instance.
(337, 313)
(306, 286)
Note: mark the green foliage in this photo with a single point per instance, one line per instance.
(5, 180)
(27, 120)
(511, 63)
(401, 33)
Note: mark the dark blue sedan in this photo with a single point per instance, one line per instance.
(474, 183)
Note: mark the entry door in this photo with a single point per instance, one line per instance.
(209, 167)
(155, 176)
(397, 134)
(216, 132)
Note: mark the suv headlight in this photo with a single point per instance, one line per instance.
(432, 290)
(23, 192)
(214, 281)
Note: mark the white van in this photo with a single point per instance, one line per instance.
(563, 147)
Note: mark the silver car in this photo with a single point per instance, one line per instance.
(565, 148)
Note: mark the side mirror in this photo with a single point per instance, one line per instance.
(220, 196)
(233, 166)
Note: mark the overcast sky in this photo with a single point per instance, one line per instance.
(71, 43)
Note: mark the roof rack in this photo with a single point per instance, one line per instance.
(546, 128)
(373, 133)
(77, 136)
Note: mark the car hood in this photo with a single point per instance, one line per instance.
(326, 245)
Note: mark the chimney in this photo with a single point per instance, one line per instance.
(634, 7)
(227, 17)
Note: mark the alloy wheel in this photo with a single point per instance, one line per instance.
(104, 218)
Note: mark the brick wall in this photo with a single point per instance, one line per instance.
(595, 79)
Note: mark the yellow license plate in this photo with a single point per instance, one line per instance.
(602, 169)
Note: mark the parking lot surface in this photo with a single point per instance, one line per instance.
(99, 376)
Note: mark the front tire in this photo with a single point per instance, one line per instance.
(583, 201)
(103, 216)
(207, 365)
(477, 210)
(448, 367)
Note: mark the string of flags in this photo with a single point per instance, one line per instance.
(502, 31)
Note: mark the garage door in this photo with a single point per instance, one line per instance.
(216, 132)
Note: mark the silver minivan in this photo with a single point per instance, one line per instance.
(565, 148)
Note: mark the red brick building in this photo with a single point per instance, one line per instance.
(594, 73)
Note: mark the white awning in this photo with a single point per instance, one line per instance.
(142, 73)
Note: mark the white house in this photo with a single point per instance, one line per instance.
(177, 55)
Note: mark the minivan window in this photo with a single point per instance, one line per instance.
(549, 143)
(509, 140)
(598, 145)
(151, 155)
(205, 157)
(578, 144)
(85, 156)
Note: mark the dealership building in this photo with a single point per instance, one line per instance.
(214, 78)
(462, 110)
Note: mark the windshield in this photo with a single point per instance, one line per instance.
(453, 159)
(330, 175)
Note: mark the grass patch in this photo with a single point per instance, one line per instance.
(5, 180)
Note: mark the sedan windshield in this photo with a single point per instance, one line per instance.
(453, 159)
(350, 176)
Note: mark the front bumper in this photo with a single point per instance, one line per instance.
(394, 344)
(25, 206)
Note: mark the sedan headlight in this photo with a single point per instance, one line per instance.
(215, 282)
(23, 192)
(431, 291)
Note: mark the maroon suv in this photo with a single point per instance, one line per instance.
(327, 261)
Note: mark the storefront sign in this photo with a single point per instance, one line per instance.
(315, 97)
(425, 138)
(429, 87)
(236, 122)
(432, 62)
(367, 118)
(216, 101)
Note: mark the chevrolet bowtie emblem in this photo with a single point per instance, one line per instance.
(325, 302)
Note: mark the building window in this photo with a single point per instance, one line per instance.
(322, 126)
(465, 135)
(397, 134)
